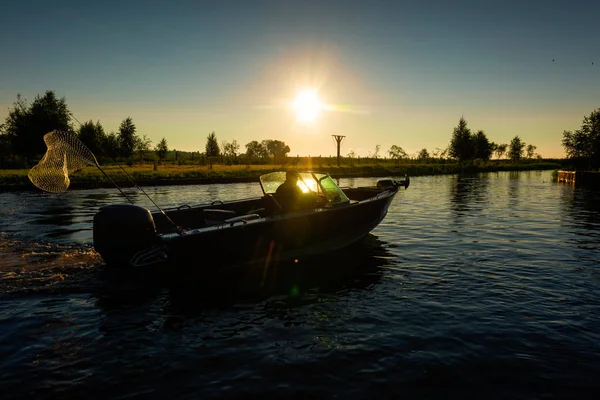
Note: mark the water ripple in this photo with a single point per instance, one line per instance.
(473, 286)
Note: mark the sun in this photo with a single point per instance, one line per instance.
(307, 105)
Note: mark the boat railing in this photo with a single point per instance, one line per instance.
(242, 218)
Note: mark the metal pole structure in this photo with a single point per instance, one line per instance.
(338, 139)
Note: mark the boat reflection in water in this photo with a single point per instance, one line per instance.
(298, 283)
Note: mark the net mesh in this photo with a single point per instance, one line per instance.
(65, 155)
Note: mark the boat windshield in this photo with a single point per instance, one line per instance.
(318, 183)
(333, 193)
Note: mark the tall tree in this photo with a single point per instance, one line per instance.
(212, 145)
(461, 145)
(27, 124)
(483, 148)
(93, 136)
(161, 150)
(515, 151)
(127, 138)
(584, 143)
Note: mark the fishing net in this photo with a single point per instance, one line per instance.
(65, 155)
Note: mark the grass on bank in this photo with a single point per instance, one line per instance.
(145, 173)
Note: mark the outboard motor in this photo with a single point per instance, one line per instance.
(384, 184)
(121, 230)
(390, 184)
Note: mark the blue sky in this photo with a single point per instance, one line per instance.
(395, 72)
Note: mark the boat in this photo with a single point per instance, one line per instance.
(262, 230)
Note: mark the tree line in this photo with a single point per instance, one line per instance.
(21, 135)
(21, 140)
(22, 144)
(583, 145)
(254, 150)
(466, 146)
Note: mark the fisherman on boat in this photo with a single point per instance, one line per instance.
(292, 197)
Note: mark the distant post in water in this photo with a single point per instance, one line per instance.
(338, 140)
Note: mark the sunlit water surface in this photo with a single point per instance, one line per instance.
(473, 286)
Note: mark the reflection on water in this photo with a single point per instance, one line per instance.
(584, 207)
(295, 286)
(582, 210)
(472, 286)
(355, 268)
(513, 191)
(468, 194)
(35, 266)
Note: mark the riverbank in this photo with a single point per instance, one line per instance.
(145, 175)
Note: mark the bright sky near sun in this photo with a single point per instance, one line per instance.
(378, 72)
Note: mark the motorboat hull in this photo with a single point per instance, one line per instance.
(267, 241)
(256, 231)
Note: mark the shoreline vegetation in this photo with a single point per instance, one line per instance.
(45, 125)
(41, 128)
(173, 174)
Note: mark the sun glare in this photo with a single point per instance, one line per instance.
(307, 105)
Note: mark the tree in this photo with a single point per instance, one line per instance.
(111, 145)
(423, 155)
(142, 145)
(500, 149)
(483, 148)
(276, 148)
(395, 152)
(439, 153)
(212, 146)
(461, 145)
(161, 150)
(5, 149)
(256, 149)
(231, 149)
(375, 154)
(127, 138)
(93, 136)
(584, 143)
(531, 151)
(515, 151)
(234, 148)
(27, 124)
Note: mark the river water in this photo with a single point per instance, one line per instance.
(473, 286)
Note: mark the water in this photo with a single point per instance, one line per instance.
(479, 286)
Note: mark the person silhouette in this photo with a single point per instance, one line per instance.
(289, 193)
(293, 198)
